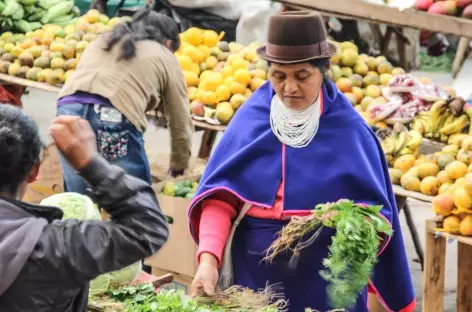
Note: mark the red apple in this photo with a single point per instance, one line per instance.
(423, 5)
(197, 108)
(460, 4)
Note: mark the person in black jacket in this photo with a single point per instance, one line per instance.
(45, 263)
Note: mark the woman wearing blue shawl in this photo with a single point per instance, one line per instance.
(297, 142)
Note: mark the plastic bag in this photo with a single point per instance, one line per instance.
(403, 83)
(430, 93)
(380, 112)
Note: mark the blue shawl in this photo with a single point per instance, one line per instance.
(344, 160)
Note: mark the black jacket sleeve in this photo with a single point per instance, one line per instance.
(137, 228)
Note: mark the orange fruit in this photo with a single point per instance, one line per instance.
(239, 63)
(237, 100)
(191, 78)
(237, 88)
(242, 76)
(185, 62)
(209, 98)
(223, 93)
(256, 83)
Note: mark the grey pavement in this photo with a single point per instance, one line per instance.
(41, 106)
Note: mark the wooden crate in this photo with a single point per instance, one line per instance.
(435, 266)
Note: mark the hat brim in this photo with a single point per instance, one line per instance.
(261, 51)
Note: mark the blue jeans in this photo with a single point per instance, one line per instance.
(120, 143)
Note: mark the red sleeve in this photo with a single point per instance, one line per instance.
(218, 212)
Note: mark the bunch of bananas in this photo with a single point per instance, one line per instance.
(398, 141)
(443, 120)
(28, 15)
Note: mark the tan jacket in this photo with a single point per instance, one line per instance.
(150, 81)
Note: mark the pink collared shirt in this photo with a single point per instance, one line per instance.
(219, 211)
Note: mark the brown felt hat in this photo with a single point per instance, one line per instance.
(296, 37)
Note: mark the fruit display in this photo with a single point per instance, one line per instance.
(361, 78)
(460, 8)
(184, 189)
(28, 15)
(220, 76)
(447, 171)
(399, 141)
(444, 119)
(405, 97)
(51, 53)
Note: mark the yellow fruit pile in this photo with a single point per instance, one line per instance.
(220, 76)
(446, 172)
(454, 201)
(50, 54)
(360, 77)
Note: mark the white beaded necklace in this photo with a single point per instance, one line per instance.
(295, 128)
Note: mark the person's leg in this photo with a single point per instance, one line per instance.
(121, 144)
(72, 180)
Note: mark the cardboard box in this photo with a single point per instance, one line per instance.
(50, 179)
(181, 282)
(178, 254)
(159, 164)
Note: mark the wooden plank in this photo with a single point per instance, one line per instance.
(29, 83)
(375, 13)
(434, 267)
(207, 126)
(464, 278)
(400, 191)
(435, 223)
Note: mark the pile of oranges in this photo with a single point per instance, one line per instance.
(220, 76)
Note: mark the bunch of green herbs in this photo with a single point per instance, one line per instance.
(143, 298)
(352, 253)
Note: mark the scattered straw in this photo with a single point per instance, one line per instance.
(237, 298)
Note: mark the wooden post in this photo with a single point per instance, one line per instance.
(208, 140)
(459, 58)
(464, 278)
(435, 264)
(401, 49)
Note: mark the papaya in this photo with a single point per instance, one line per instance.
(456, 170)
(443, 204)
(427, 170)
(430, 186)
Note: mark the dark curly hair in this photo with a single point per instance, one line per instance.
(145, 25)
(20, 147)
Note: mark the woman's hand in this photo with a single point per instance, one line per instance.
(75, 140)
(206, 277)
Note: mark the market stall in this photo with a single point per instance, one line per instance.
(435, 268)
(395, 19)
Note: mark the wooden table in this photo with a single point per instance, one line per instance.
(401, 197)
(209, 136)
(435, 267)
(395, 19)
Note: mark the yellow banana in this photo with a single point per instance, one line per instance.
(417, 126)
(405, 151)
(437, 109)
(414, 139)
(457, 125)
(441, 120)
(388, 145)
(400, 142)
